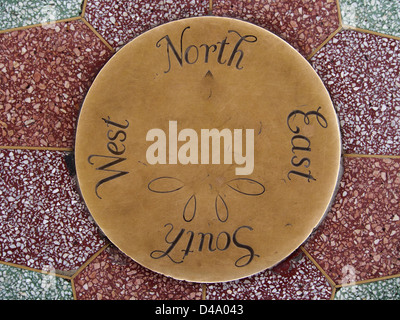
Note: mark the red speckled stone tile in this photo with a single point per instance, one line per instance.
(360, 236)
(305, 24)
(120, 21)
(362, 73)
(114, 276)
(43, 221)
(44, 74)
(296, 278)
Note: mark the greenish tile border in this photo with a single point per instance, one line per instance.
(15, 13)
(49, 25)
(381, 16)
(23, 284)
(388, 289)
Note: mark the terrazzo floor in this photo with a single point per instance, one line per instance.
(50, 52)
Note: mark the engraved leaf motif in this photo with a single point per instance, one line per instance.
(189, 211)
(246, 186)
(165, 185)
(221, 209)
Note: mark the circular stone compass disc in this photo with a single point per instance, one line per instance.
(208, 149)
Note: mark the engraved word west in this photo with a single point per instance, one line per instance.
(115, 138)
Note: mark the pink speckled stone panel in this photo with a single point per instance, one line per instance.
(43, 220)
(296, 278)
(45, 73)
(120, 21)
(114, 276)
(362, 73)
(305, 24)
(361, 234)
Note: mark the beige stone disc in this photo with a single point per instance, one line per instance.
(208, 149)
